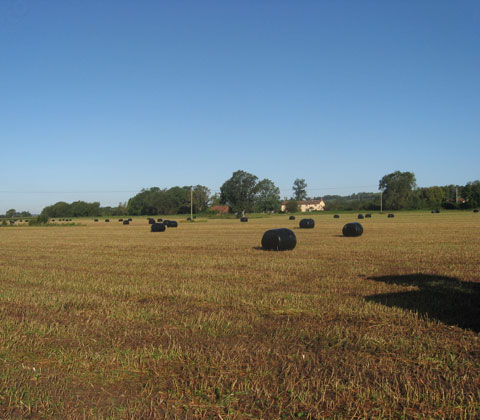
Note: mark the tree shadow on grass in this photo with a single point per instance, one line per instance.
(446, 299)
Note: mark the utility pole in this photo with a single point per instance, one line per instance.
(381, 200)
(191, 204)
(456, 195)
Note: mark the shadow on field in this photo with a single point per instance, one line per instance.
(446, 299)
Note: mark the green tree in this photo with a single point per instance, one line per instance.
(291, 206)
(268, 196)
(10, 213)
(239, 192)
(471, 194)
(398, 187)
(299, 189)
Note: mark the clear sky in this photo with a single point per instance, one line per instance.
(100, 98)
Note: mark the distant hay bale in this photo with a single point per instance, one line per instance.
(53, 220)
(437, 211)
(368, 216)
(107, 220)
(130, 219)
(391, 215)
(475, 210)
(120, 220)
(170, 223)
(96, 220)
(279, 240)
(126, 222)
(189, 218)
(360, 216)
(291, 218)
(157, 227)
(307, 224)
(336, 216)
(159, 220)
(244, 219)
(151, 221)
(352, 229)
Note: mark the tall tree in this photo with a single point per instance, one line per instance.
(299, 189)
(239, 192)
(11, 213)
(398, 187)
(268, 196)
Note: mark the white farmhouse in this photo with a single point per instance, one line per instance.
(307, 205)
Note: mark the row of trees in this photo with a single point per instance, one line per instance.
(169, 201)
(14, 213)
(244, 192)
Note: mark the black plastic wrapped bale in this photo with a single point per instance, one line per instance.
(360, 216)
(130, 219)
(151, 221)
(291, 218)
(126, 222)
(437, 211)
(307, 224)
(391, 215)
(475, 210)
(96, 220)
(279, 240)
(433, 212)
(159, 220)
(189, 219)
(170, 223)
(157, 227)
(336, 216)
(120, 220)
(244, 219)
(352, 229)
(107, 220)
(368, 216)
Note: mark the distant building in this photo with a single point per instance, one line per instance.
(307, 205)
(220, 209)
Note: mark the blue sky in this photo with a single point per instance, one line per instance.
(102, 98)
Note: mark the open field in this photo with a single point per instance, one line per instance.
(107, 321)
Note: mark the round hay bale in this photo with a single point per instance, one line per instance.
(107, 220)
(336, 216)
(151, 221)
(352, 229)
(53, 220)
(96, 220)
(189, 218)
(291, 218)
(433, 212)
(126, 222)
(368, 216)
(307, 224)
(244, 219)
(159, 220)
(475, 210)
(437, 211)
(279, 240)
(170, 223)
(130, 219)
(157, 227)
(360, 216)
(391, 215)
(120, 220)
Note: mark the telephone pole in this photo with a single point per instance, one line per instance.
(191, 204)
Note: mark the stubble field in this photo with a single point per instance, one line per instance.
(107, 321)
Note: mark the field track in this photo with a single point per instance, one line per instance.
(111, 321)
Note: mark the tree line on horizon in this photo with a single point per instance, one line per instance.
(245, 193)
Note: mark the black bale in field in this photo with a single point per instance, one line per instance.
(170, 223)
(96, 220)
(368, 216)
(107, 220)
(130, 219)
(291, 218)
(151, 221)
(475, 210)
(244, 219)
(336, 216)
(157, 227)
(391, 215)
(352, 229)
(279, 240)
(126, 222)
(307, 224)
(159, 220)
(360, 216)
(437, 211)
(120, 220)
